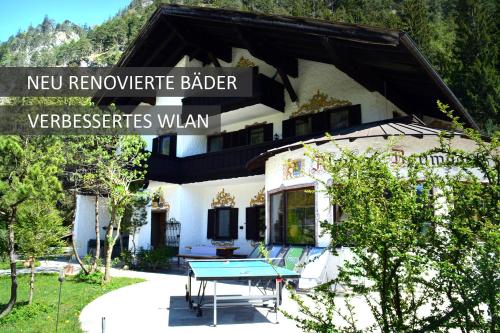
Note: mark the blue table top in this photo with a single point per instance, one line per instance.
(211, 270)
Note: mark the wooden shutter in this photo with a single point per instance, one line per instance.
(268, 132)
(251, 230)
(156, 146)
(355, 115)
(288, 128)
(233, 223)
(320, 122)
(211, 224)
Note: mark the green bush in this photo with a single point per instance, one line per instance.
(92, 278)
(153, 259)
(25, 312)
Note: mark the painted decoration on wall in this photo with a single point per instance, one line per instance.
(223, 199)
(318, 103)
(293, 168)
(258, 199)
(245, 63)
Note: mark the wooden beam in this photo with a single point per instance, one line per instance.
(214, 59)
(332, 54)
(289, 65)
(159, 49)
(287, 84)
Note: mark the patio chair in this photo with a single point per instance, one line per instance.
(315, 268)
(255, 253)
(292, 258)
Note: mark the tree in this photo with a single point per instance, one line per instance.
(39, 232)
(476, 78)
(422, 236)
(467, 253)
(120, 169)
(135, 216)
(29, 167)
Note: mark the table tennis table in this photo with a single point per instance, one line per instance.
(255, 270)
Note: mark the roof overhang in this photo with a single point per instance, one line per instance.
(405, 126)
(382, 60)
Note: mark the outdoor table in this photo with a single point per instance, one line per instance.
(226, 251)
(235, 269)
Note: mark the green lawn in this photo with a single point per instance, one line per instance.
(19, 265)
(42, 316)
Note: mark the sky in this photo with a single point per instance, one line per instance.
(19, 14)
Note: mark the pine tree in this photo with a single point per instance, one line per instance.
(476, 78)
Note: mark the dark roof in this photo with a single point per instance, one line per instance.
(384, 129)
(382, 60)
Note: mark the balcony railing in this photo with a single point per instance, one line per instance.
(266, 91)
(227, 163)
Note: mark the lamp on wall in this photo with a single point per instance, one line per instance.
(276, 136)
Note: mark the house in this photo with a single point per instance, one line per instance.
(249, 182)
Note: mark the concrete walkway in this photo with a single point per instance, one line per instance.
(158, 305)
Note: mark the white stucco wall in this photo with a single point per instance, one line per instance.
(189, 204)
(275, 175)
(313, 76)
(85, 221)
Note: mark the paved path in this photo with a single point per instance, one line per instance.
(46, 266)
(158, 305)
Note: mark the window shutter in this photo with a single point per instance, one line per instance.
(173, 145)
(355, 115)
(211, 224)
(320, 122)
(234, 223)
(251, 230)
(156, 146)
(268, 132)
(288, 128)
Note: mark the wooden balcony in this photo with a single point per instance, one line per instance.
(227, 163)
(266, 91)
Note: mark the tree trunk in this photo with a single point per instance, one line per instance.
(32, 280)
(73, 238)
(13, 272)
(110, 242)
(97, 236)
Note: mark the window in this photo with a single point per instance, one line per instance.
(293, 217)
(214, 143)
(256, 135)
(256, 223)
(324, 121)
(339, 119)
(222, 223)
(165, 145)
(303, 126)
(338, 214)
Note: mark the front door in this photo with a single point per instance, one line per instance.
(158, 229)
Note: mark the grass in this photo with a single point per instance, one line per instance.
(41, 316)
(19, 265)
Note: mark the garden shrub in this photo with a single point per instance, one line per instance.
(153, 259)
(23, 312)
(92, 278)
